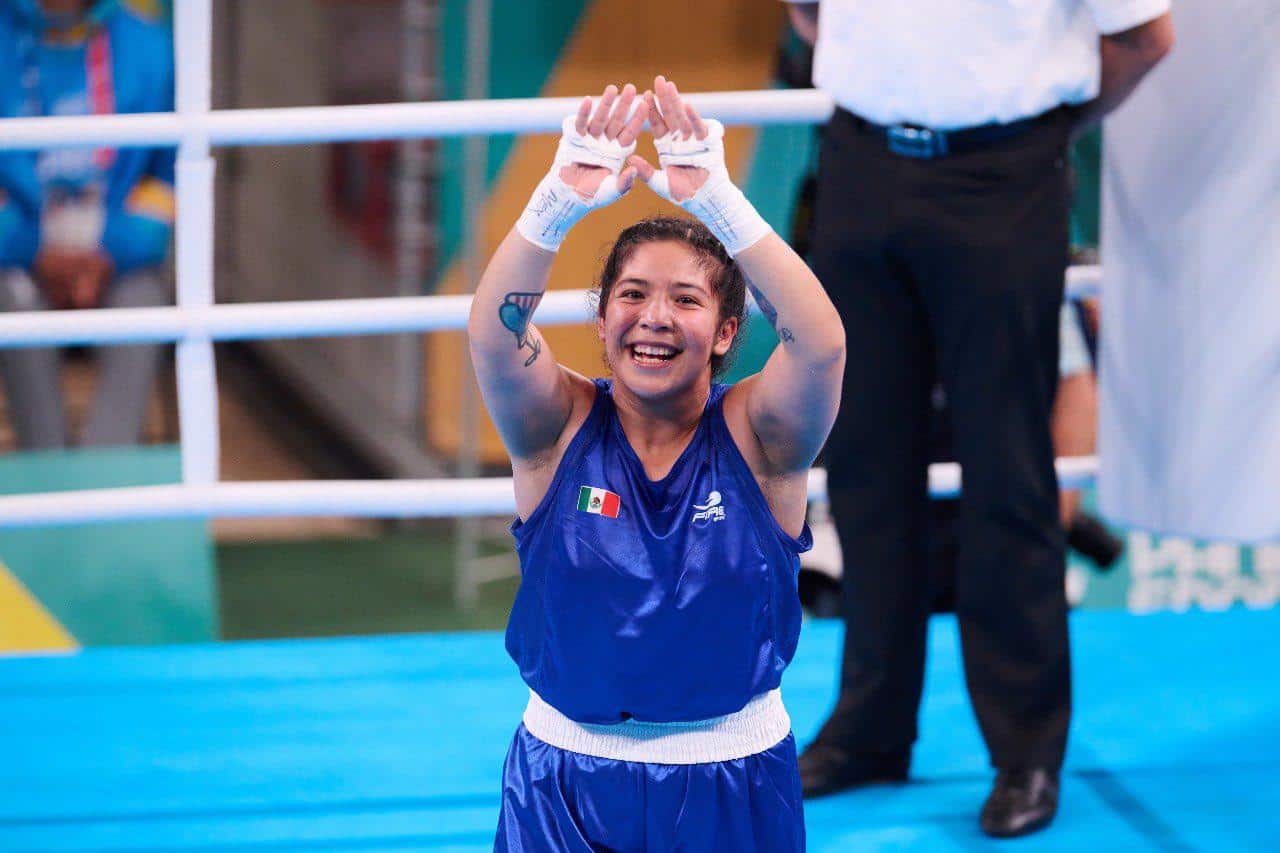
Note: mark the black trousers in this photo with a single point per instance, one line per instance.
(948, 270)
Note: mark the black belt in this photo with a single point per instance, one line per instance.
(925, 143)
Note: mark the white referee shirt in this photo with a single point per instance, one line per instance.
(958, 63)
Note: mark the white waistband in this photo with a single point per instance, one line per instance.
(761, 724)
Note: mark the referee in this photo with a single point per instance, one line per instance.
(940, 233)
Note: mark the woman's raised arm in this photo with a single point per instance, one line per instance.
(792, 402)
(528, 395)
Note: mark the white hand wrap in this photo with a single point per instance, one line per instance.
(720, 205)
(555, 206)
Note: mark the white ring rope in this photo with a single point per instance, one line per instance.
(363, 498)
(295, 125)
(195, 323)
(304, 319)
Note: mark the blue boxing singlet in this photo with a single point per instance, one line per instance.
(662, 601)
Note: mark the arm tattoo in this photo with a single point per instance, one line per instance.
(771, 314)
(515, 312)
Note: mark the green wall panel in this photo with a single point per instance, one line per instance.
(119, 583)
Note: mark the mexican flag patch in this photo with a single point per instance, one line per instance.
(598, 501)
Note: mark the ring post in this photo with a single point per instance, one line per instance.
(466, 584)
(197, 381)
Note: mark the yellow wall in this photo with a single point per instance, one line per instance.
(711, 45)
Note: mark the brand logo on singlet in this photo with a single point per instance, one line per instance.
(711, 510)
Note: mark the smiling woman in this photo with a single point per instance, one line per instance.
(660, 515)
(684, 257)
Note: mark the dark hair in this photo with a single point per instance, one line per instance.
(727, 280)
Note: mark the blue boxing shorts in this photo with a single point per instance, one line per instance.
(557, 799)
(561, 801)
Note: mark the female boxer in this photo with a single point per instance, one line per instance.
(661, 515)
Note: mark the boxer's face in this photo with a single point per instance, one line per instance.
(661, 324)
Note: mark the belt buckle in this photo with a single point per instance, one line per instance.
(921, 143)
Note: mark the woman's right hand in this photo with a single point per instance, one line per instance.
(590, 168)
(603, 133)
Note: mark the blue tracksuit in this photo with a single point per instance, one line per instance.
(660, 601)
(118, 61)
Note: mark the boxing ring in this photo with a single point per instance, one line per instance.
(396, 743)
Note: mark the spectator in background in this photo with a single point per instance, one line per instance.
(82, 227)
(1075, 431)
(940, 232)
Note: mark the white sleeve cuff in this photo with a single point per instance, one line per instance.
(1116, 16)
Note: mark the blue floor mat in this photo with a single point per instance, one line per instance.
(396, 743)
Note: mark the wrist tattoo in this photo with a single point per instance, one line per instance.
(515, 313)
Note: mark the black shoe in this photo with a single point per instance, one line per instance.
(1022, 802)
(826, 769)
(1090, 537)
